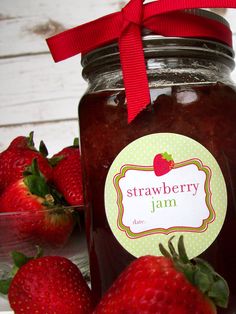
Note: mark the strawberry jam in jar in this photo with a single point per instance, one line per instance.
(169, 172)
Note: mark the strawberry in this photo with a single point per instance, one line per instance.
(49, 284)
(34, 208)
(18, 156)
(169, 284)
(162, 163)
(67, 174)
(22, 142)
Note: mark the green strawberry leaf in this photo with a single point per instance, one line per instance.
(35, 180)
(202, 280)
(30, 141)
(43, 149)
(76, 142)
(55, 160)
(199, 273)
(20, 259)
(5, 285)
(211, 283)
(206, 267)
(219, 292)
(37, 185)
(187, 270)
(167, 156)
(164, 251)
(32, 169)
(172, 248)
(181, 249)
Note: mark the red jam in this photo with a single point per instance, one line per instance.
(203, 113)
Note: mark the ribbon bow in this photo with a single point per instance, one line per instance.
(163, 17)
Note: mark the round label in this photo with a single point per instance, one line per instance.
(162, 185)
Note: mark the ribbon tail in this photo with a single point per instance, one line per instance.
(86, 37)
(134, 71)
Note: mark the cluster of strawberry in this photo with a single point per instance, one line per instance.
(40, 191)
(168, 284)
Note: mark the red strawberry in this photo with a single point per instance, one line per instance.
(35, 213)
(162, 164)
(23, 142)
(52, 285)
(67, 174)
(166, 284)
(15, 159)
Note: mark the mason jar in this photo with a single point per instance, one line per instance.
(169, 172)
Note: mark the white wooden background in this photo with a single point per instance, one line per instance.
(35, 93)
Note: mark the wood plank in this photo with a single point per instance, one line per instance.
(56, 135)
(25, 24)
(34, 88)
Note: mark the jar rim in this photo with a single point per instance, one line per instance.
(101, 54)
(162, 47)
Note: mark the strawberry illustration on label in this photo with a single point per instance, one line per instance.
(162, 163)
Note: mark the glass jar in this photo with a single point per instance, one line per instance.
(192, 117)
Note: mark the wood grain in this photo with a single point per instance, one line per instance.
(25, 24)
(35, 89)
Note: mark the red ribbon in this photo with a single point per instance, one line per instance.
(162, 17)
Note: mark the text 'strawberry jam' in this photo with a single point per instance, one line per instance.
(170, 171)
